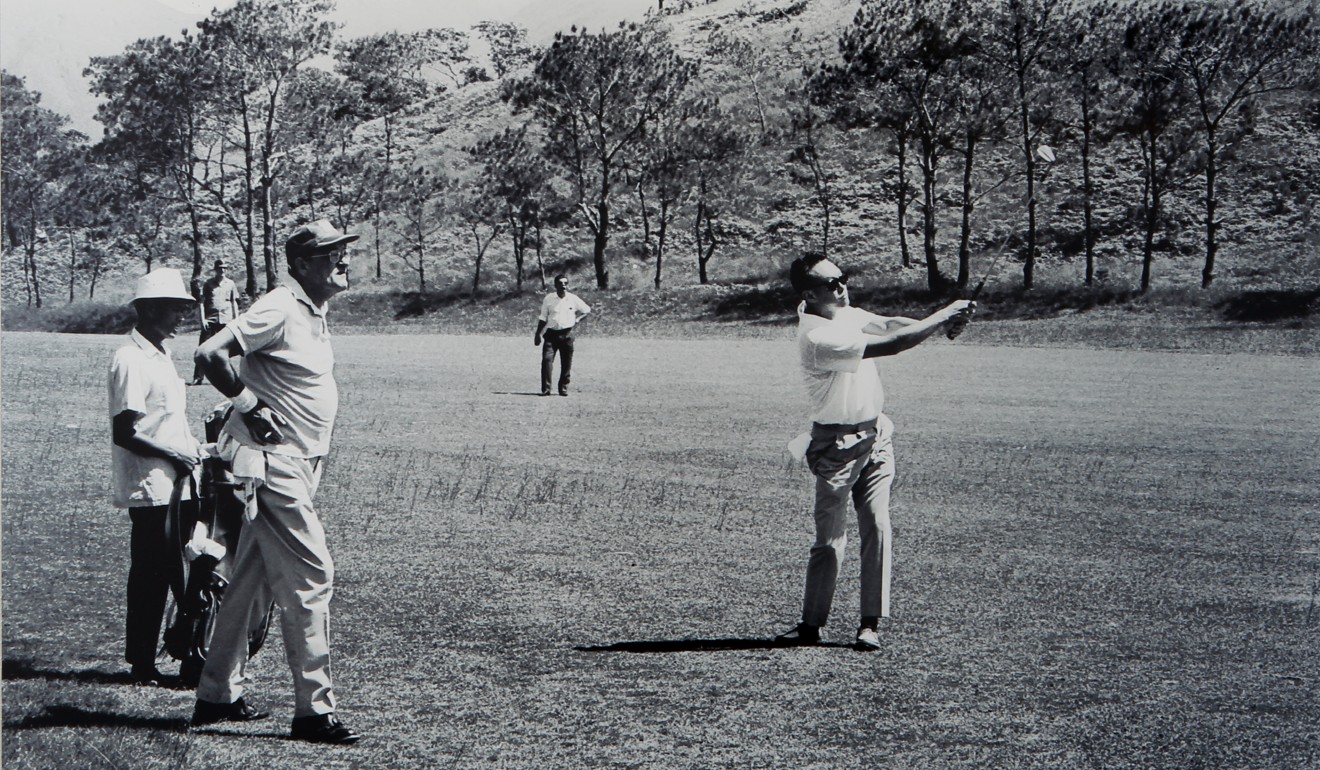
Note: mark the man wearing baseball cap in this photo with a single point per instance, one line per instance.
(151, 449)
(849, 449)
(285, 398)
(219, 307)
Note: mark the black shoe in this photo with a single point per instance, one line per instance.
(147, 676)
(323, 728)
(545, 392)
(800, 635)
(562, 393)
(206, 712)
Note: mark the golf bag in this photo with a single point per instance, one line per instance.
(200, 576)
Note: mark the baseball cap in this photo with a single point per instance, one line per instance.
(316, 237)
(162, 283)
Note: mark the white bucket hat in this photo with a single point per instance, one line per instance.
(162, 283)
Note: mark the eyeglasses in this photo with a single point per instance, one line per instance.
(833, 284)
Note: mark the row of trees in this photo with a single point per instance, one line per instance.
(220, 138)
(952, 79)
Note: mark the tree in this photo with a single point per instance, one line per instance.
(596, 96)
(910, 48)
(1018, 36)
(750, 63)
(157, 97)
(806, 153)
(36, 149)
(483, 218)
(388, 70)
(329, 172)
(855, 103)
(509, 50)
(1079, 63)
(1155, 97)
(1230, 55)
(258, 47)
(417, 204)
(516, 179)
(714, 148)
(980, 114)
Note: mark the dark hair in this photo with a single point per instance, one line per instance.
(797, 272)
(561, 277)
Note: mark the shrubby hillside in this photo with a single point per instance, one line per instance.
(741, 133)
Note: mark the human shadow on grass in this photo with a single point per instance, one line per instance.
(63, 715)
(699, 645)
(516, 393)
(14, 668)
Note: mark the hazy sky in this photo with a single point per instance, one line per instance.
(49, 42)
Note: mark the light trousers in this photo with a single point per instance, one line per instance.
(282, 554)
(865, 482)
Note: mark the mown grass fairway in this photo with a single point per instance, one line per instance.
(1103, 559)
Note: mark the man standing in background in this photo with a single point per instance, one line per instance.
(219, 307)
(560, 312)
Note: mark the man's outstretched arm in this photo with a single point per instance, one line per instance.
(913, 333)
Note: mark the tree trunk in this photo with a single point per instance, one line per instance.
(965, 236)
(1150, 197)
(1088, 188)
(267, 236)
(1211, 204)
(73, 263)
(248, 250)
(540, 262)
(602, 238)
(1029, 264)
(901, 138)
(660, 246)
(934, 280)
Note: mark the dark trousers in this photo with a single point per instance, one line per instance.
(556, 341)
(209, 330)
(153, 560)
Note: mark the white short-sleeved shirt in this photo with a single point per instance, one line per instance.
(219, 299)
(562, 312)
(289, 364)
(143, 380)
(843, 387)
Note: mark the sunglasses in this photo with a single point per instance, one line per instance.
(833, 284)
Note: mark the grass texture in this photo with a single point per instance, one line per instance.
(1103, 559)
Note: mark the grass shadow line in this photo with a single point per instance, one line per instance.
(696, 645)
(76, 716)
(15, 668)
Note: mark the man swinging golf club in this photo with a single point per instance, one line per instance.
(849, 452)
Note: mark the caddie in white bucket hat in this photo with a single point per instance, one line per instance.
(151, 449)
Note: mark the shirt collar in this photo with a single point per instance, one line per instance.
(301, 295)
(146, 345)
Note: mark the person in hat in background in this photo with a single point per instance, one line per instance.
(152, 448)
(560, 312)
(284, 400)
(219, 307)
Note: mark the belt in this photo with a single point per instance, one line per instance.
(841, 429)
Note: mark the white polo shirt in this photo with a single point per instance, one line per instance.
(562, 312)
(288, 363)
(843, 387)
(143, 380)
